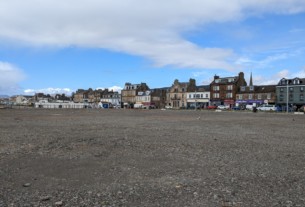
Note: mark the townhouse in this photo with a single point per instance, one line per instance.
(223, 90)
(177, 93)
(255, 94)
(200, 98)
(110, 99)
(291, 92)
(130, 92)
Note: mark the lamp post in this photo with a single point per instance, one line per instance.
(287, 97)
(195, 99)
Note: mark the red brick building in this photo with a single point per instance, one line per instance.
(223, 90)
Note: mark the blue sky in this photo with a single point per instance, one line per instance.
(58, 47)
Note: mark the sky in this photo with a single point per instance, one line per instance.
(60, 46)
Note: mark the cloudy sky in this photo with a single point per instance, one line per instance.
(60, 46)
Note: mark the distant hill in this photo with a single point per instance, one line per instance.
(4, 96)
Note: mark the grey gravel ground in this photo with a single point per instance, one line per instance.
(151, 158)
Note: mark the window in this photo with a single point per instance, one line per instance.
(215, 88)
(301, 88)
(291, 97)
(250, 96)
(217, 80)
(216, 95)
(259, 96)
(201, 95)
(190, 96)
(301, 97)
(281, 89)
(269, 96)
(251, 88)
(281, 97)
(240, 97)
(291, 89)
(229, 95)
(207, 95)
(229, 87)
(243, 88)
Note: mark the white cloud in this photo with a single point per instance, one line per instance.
(275, 78)
(50, 91)
(300, 74)
(148, 28)
(10, 77)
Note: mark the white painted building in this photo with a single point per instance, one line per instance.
(58, 105)
(199, 99)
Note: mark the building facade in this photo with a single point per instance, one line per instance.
(112, 98)
(158, 97)
(200, 98)
(256, 95)
(177, 94)
(130, 92)
(291, 92)
(223, 90)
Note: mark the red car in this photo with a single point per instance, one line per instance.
(212, 107)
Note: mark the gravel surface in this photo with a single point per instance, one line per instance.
(91, 157)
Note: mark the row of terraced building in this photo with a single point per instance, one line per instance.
(230, 91)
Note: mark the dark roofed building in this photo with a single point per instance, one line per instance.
(223, 90)
(294, 89)
(256, 95)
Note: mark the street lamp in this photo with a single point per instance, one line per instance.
(195, 100)
(287, 96)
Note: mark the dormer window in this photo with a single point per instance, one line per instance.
(217, 81)
(242, 88)
(296, 81)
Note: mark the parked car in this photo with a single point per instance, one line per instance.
(249, 107)
(236, 108)
(223, 107)
(212, 107)
(284, 109)
(267, 108)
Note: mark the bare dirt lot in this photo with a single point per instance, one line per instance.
(123, 157)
